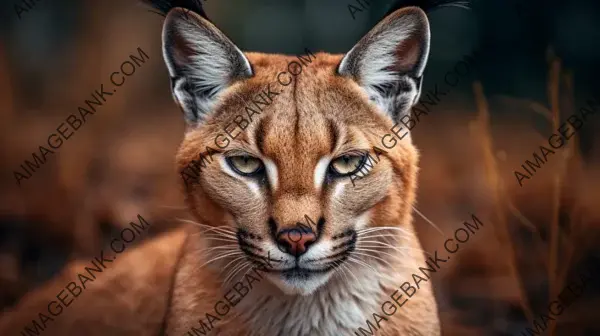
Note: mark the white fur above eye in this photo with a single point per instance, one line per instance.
(271, 171)
(321, 171)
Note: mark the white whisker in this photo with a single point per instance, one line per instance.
(234, 260)
(250, 269)
(376, 251)
(219, 239)
(219, 232)
(381, 235)
(374, 257)
(350, 271)
(397, 248)
(392, 266)
(244, 265)
(233, 269)
(227, 248)
(362, 263)
(222, 228)
(338, 269)
(382, 228)
(218, 235)
(428, 221)
(346, 270)
(221, 257)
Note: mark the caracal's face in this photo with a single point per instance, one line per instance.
(314, 166)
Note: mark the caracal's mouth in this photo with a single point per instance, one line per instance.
(302, 278)
(297, 271)
(302, 273)
(299, 281)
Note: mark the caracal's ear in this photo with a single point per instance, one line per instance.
(388, 62)
(202, 62)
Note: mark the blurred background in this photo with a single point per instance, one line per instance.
(536, 63)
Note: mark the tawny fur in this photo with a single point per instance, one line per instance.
(163, 287)
(295, 137)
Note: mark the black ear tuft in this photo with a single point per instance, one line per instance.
(428, 5)
(164, 6)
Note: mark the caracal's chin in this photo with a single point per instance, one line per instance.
(299, 282)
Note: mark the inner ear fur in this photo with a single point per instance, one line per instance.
(202, 62)
(388, 62)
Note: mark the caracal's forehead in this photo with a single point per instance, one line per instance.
(317, 114)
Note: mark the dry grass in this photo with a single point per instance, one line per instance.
(557, 234)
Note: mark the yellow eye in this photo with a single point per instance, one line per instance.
(245, 164)
(347, 164)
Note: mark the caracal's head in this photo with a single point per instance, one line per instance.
(276, 161)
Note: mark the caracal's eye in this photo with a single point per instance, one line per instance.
(245, 164)
(347, 164)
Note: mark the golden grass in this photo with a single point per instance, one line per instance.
(481, 129)
(557, 269)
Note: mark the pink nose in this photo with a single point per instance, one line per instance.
(295, 241)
